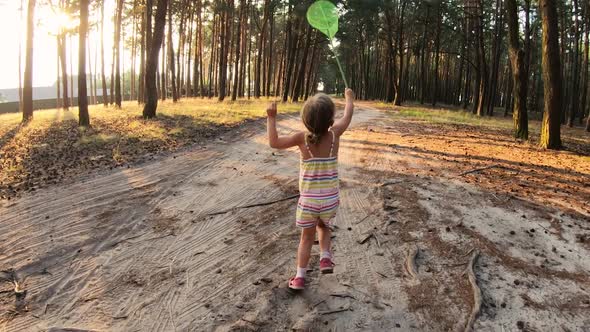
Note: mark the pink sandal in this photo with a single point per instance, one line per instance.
(326, 266)
(297, 283)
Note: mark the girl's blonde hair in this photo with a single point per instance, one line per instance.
(318, 116)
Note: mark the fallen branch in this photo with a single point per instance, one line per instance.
(249, 321)
(317, 304)
(391, 182)
(476, 292)
(481, 169)
(327, 312)
(127, 239)
(365, 239)
(411, 262)
(377, 240)
(366, 217)
(253, 205)
(343, 295)
(548, 231)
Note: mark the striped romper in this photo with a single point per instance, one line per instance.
(319, 189)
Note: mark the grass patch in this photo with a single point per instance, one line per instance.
(97, 139)
(452, 116)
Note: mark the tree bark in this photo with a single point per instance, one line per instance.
(423, 59)
(64, 69)
(28, 76)
(261, 38)
(437, 56)
(234, 93)
(575, 95)
(585, 67)
(149, 109)
(400, 95)
(171, 63)
(551, 64)
(83, 116)
(117, 52)
(520, 78)
(483, 66)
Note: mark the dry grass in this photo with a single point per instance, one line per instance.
(52, 146)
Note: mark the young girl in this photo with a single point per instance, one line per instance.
(318, 177)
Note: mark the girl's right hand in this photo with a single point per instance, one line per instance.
(271, 110)
(349, 94)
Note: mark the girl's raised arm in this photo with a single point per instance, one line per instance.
(342, 124)
(274, 140)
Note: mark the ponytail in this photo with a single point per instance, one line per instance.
(313, 138)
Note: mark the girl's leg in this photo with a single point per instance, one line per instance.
(305, 244)
(324, 237)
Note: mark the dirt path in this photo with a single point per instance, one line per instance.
(135, 250)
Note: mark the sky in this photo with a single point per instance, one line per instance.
(44, 49)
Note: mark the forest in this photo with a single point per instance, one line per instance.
(524, 58)
(149, 195)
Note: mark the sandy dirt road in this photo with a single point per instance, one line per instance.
(138, 249)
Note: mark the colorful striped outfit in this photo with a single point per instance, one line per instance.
(319, 188)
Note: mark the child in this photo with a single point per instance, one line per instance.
(318, 177)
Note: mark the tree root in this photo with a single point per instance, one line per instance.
(477, 300)
(411, 262)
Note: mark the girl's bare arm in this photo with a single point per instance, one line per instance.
(274, 140)
(342, 124)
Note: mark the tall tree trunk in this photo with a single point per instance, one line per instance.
(423, 58)
(496, 53)
(483, 66)
(187, 75)
(392, 90)
(400, 95)
(83, 116)
(117, 52)
(201, 76)
(550, 131)
(133, 51)
(88, 41)
(270, 54)
(71, 71)
(234, 93)
(163, 72)
(64, 69)
(585, 66)
(575, 95)
(20, 65)
(94, 77)
(437, 56)
(301, 73)
(28, 76)
(290, 52)
(149, 110)
(520, 78)
(102, 65)
(261, 38)
(58, 85)
(225, 25)
(171, 63)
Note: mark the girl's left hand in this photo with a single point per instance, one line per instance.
(271, 110)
